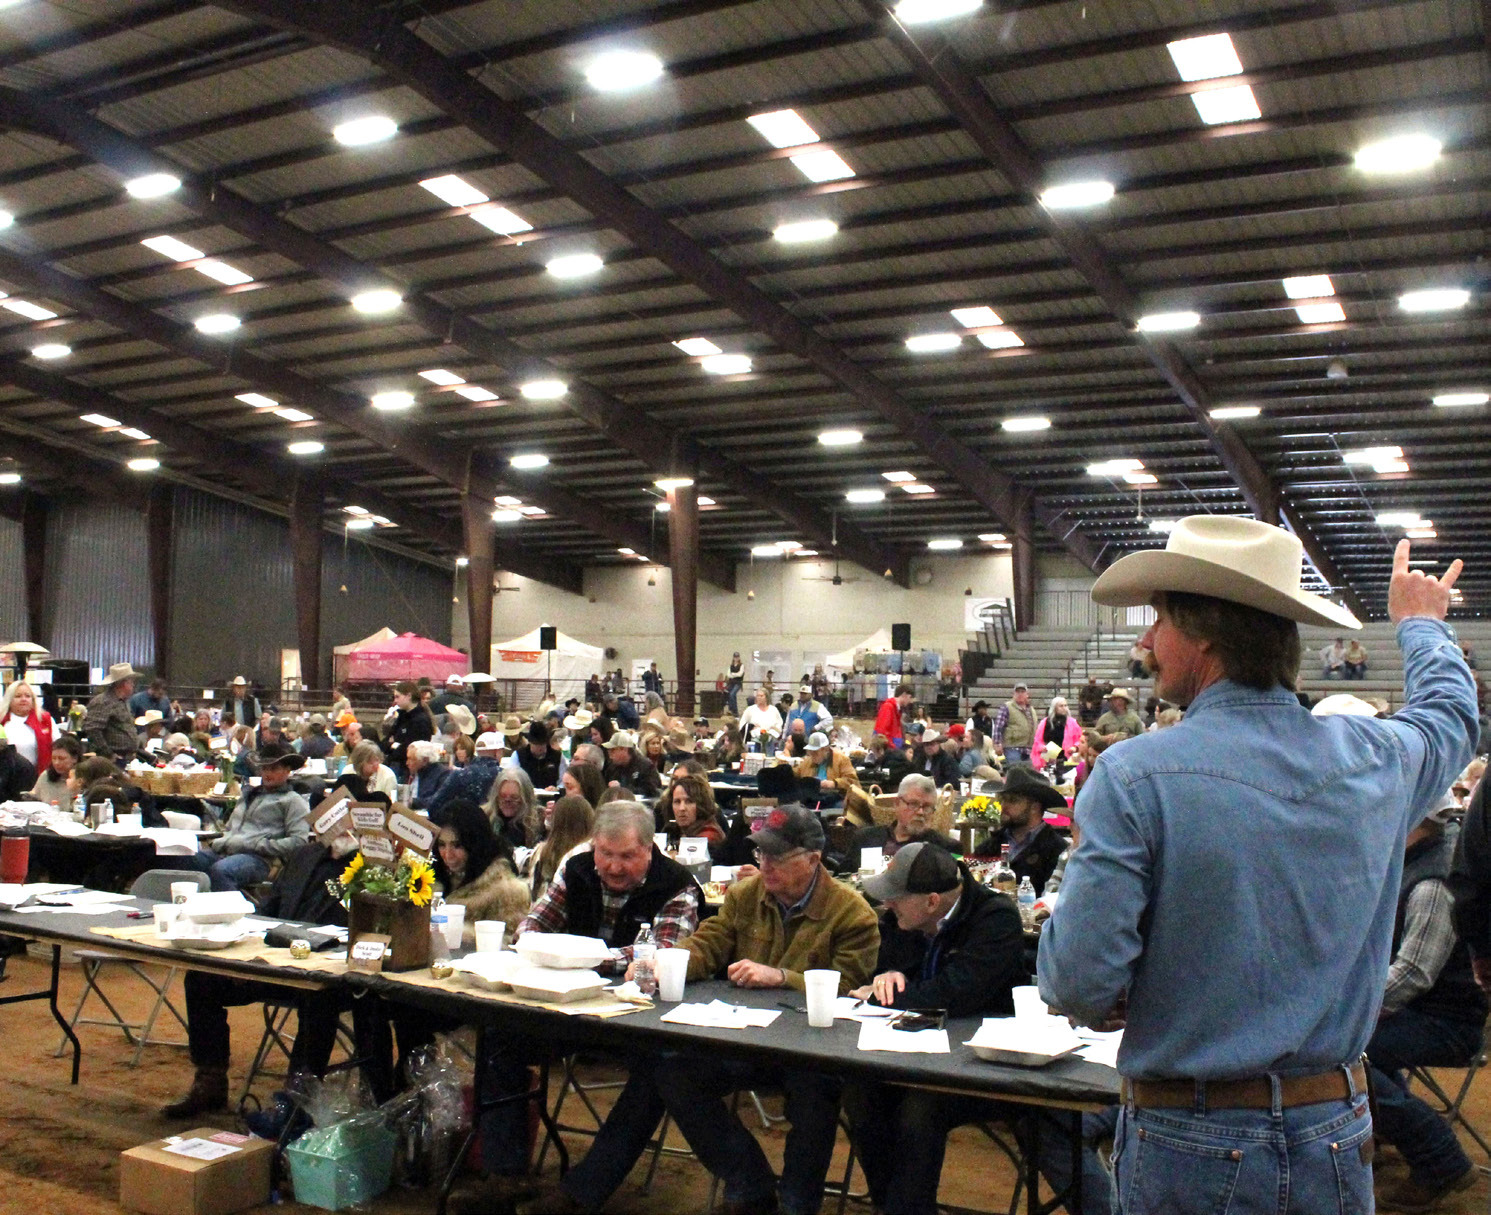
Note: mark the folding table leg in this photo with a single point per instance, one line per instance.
(77, 1047)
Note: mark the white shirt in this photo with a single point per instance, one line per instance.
(756, 717)
(384, 781)
(23, 737)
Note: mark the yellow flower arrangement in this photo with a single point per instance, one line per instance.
(421, 883)
(349, 874)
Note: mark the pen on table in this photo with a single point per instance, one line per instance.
(140, 915)
(789, 1006)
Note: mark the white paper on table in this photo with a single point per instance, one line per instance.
(314, 767)
(68, 828)
(1047, 1036)
(337, 930)
(171, 842)
(84, 898)
(201, 1149)
(90, 909)
(881, 1035)
(719, 1015)
(13, 894)
(847, 1008)
(1100, 1048)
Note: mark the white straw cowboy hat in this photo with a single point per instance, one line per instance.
(1239, 560)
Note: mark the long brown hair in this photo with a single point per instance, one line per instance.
(574, 820)
(699, 793)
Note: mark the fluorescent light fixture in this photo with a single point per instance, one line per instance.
(726, 364)
(361, 524)
(544, 390)
(669, 484)
(840, 438)
(942, 546)
(1234, 413)
(1443, 399)
(917, 12)
(101, 419)
(1168, 322)
(1402, 518)
(1372, 455)
(381, 299)
(864, 496)
(806, 552)
(229, 276)
(663, 507)
(825, 165)
(992, 537)
(152, 185)
(1140, 478)
(789, 546)
(176, 250)
(218, 322)
(134, 432)
(1114, 468)
(293, 415)
(462, 562)
(1205, 58)
(474, 392)
(1076, 194)
(305, 447)
(501, 221)
(697, 347)
(142, 464)
(1025, 425)
(507, 500)
(1324, 312)
(257, 399)
(355, 510)
(767, 550)
(916, 488)
(371, 129)
(1220, 106)
(453, 191)
(1309, 287)
(10, 478)
(616, 71)
(627, 552)
(704, 500)
(1439, 299)
(1165, 526)
(52, 350)
(532, 512)
(6, 219)
(976, 318)
(392, 400)
(33, 312)
(803, 230)
(438, 375)
(899, 477)
(783, 128)
(506, 516)
(530, 460)
(574, 265)
(1422, 533)
(1399, 154)
(931, 343)
(1391, 466)
(999, 339)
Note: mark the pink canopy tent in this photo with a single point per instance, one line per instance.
(406, 656)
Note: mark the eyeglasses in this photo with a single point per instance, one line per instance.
(767, 859)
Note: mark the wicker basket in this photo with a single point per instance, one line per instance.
(197, 784)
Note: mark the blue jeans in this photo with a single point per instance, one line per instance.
(620, 1142)
(1017, 755)
(1410, 1038)
(694, 1087)
(1308, 1160)
(227, 872)
(900, 1138)
(732, 698)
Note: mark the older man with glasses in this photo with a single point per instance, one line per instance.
(916, 803)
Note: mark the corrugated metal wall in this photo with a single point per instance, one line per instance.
(97, 584)
(13, 624)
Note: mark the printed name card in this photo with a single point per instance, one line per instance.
(377, 847)
(411, 831)
(692, 851)
(367, 952)
(368, 816)
(218, 744)
(331, 823)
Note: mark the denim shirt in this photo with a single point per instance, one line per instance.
(1238, 873)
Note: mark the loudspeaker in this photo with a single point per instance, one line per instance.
(900, 636)
(548, 637)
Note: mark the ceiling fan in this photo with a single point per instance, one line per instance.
(837, 579)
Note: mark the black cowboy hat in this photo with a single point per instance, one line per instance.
(1024, 781)
(273, 753)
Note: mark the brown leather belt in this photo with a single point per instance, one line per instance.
(1255, 1093)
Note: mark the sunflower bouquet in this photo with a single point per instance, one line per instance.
(410, 880)
(981, 809)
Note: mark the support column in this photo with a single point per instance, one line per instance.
(1024, 565)
(480, 535)
(306, 504)
(159, 517)
(34, 510)
(683, 557)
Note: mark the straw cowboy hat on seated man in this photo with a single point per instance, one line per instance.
(1234, 895)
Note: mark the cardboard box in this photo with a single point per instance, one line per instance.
(200, 1172)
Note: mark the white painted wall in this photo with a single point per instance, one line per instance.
(789, 611)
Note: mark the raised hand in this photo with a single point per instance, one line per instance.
(1415, 593)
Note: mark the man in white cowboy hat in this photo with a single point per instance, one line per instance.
(1120, 721)
(242, 703)
(931, 760)
(454, 694)
(108, 724)
(1234, 893)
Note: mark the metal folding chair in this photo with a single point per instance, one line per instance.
(1450, 1107)
(154, 885)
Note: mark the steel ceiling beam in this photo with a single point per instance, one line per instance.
(664, 451)
(358, 29)
(934, 60)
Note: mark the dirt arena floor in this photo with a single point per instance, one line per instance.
(59, 1145)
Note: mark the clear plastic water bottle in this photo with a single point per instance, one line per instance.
(644, 961)
(1025, 897)
(439, 947)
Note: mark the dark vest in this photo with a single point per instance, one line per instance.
(1455, 995)
(582, 897)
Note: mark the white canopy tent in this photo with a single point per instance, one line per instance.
(877, 642)
(567, 667)
(339, 652)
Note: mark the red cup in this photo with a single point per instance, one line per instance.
(15, 857)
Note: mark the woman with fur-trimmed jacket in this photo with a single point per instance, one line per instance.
(475, 868)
